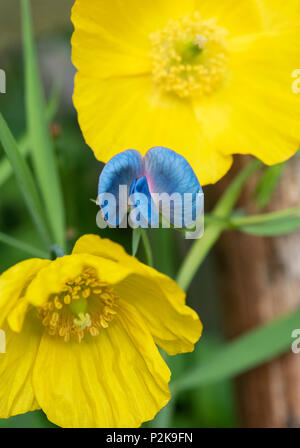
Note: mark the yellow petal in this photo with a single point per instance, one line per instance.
(257, 113)
(112, 38)
(117, 379)
(52, 279)
(14, 281)
(105, 248)
(16, 365)
(237, 17)
(174, 326)
(279, 14)
(102, 247)
(141, 117)
(17, 315)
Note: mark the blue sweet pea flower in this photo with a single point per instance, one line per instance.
(160, 183)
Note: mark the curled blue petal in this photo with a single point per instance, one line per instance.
(121, 170)
(144, 213)
(171, 178)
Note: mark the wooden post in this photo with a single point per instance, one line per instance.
(260, 281)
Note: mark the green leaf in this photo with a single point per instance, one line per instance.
(24, 178)
(277, 227)
(267, 184)
(246, 352)
(41, 144)
(268, 224)
(5, 167)
(23, 143)
(136, 237)
(25, 247)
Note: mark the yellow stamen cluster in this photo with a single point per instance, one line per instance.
(189, 56)
(84, 306)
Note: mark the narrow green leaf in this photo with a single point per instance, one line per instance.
(41, 144)
(24, 178)
(23, 143)
(21, 245)
(5, 167)
(267, 184)
(242, 220)
(136, 237)
(246, 352)
(277, 227)
(276, 223)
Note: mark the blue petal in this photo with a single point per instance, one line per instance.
(169, 172)
(143, 210)
(122, 169)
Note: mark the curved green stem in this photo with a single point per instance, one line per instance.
(201, 247)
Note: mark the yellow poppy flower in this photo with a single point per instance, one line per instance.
(206, 78)
(81, 337)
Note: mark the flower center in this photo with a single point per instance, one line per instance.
(84, 306)
(189, 56)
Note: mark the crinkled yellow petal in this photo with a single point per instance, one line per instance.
(174, 326)
(16, 366)
(237, 17)
(117, 379)
(105, 248)
(111, 38)
(257, 113)
(16, 316)
(52, 279)
(14, 282)
(102, 247)
(142, 117)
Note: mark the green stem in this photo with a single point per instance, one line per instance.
(33, 251)
(147, 247)
(201, 247)
(164, 251)
(136, 237)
